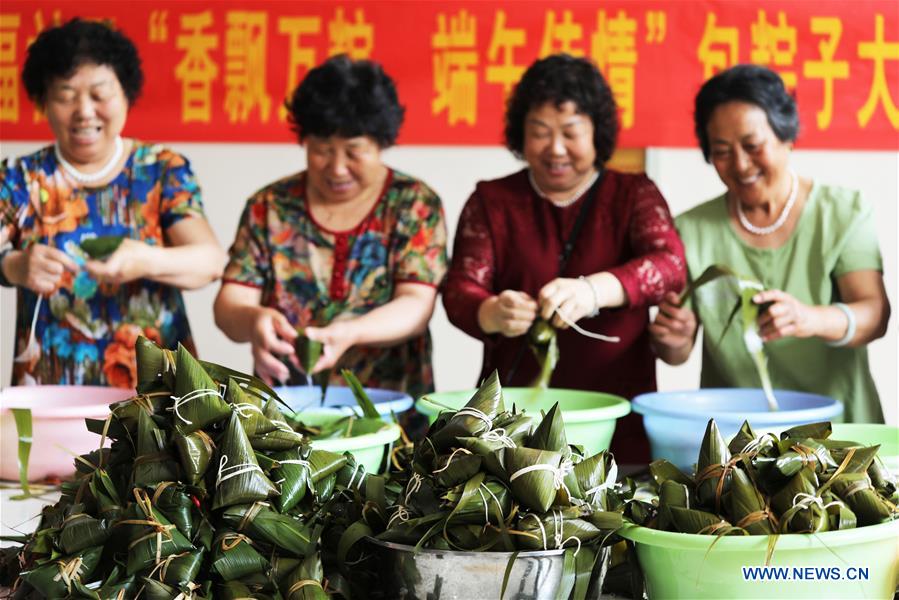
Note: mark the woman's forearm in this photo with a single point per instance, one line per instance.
(189, 266)
(403, 318)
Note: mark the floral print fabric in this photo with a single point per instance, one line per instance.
(314, 275)
(85, 331)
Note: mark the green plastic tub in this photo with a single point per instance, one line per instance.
(368, 448)
(589, 417)
(870, 434)
(853, 563)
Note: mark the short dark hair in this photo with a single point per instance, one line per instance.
(752, 84)
(348, 98)
(59, 51)
(559, 79)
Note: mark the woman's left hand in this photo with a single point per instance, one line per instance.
(336, 339)
(573, 298)
(785, 317)
(127, 263)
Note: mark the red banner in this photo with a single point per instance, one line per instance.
(219, 71)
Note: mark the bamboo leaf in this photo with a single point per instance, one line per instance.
(362, 399)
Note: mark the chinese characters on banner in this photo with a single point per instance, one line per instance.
(222, 71)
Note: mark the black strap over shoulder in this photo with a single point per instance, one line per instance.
(564, 255)
(568, 246)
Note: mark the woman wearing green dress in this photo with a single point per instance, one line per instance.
(812, 245)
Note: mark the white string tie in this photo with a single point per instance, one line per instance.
(234, 470)
(495, 500)
(754, 446)
(401, 513)
(245, 409)
(353, 477)
(469, 411)
(179, 401)
(611, 479)
(596, 336)
(805, 501)
(282, 425)
(542, 529)
(559, 531)
(484, 500)
(450, 460)
(413, 486)
(499, 435)
(559, 472)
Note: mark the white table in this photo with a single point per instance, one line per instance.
(18, 517)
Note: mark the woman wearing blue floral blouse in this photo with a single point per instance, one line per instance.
(77, 317)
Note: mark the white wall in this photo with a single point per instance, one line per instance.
(229, 173)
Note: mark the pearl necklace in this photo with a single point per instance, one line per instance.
(791, 200)
(91, 177)
(567, 201)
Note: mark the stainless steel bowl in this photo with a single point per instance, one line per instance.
(448, 575)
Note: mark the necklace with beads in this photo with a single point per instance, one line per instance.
(567, 201)
(791, 200)
(91, 177)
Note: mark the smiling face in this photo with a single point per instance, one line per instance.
(86, 113)
(342, 169)
(750, 159)
(558, 147)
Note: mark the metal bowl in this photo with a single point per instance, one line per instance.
(449, 575)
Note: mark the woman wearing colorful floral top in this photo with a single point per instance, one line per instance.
(78, 318)
(349, 250)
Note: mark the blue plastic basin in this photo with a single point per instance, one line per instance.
(675, 421)
(341, 399)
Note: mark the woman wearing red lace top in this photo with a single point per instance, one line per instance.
(508, 266)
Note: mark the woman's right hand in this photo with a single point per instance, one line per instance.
(509, 313)
(271, 336)
(673, 330)
(39, 268)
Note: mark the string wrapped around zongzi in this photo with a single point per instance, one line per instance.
(239, 478)
(198, 400)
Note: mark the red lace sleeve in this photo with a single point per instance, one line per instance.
(470, 278)
(660, 265)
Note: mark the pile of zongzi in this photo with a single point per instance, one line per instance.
(800, 482)
(486, 479)
(207, 490)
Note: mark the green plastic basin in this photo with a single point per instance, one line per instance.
(368, 448)
(870, 434)
(853, 563)
(589, 417)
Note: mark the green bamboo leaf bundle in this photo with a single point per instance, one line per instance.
(746, 288)
(555, 529)
(798, 484)
(101, 247)
(260, 522)
(240, 479)
(544, 346)
(155, 367)
(198, 399)
(712, 472)
(305, 583)
(55, 578)
(249, 409)
(152, 536)
(153, 461)
(234, 556)
(476, 416)
(80, 531)
(308, 351)
(195, 451)
(534, 476)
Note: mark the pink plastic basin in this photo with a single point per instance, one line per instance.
(57, 414)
